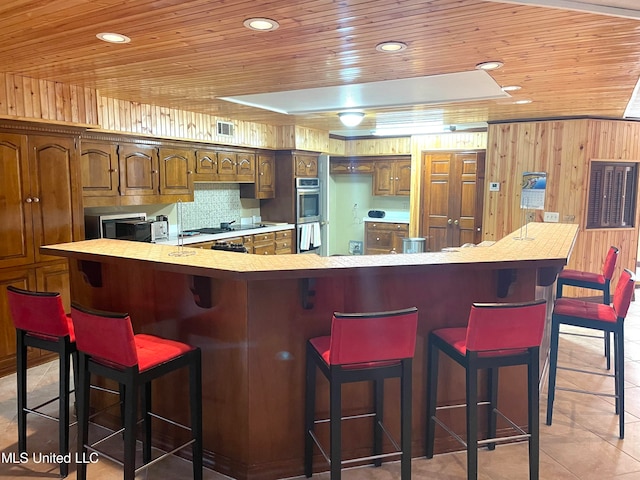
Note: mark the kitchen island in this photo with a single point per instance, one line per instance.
(251, 316)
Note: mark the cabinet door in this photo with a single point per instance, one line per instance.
(383, 178)
(402, 178)
(176, 170)
(138, 166)
(207, 164)
(227, 166)
(55, 278)
(305, 165)
(246, 167)
(16, 246)
(55, 180)
(99, 165)
(265, 180)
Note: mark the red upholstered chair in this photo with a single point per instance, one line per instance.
(41, 322)
(497, 335)
(362, 347)
(595, 316)
(107, 347)
(592, 281)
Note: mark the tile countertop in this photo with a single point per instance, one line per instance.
(203, 237)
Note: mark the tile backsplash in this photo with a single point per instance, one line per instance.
(215, 203)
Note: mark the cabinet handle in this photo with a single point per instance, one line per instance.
(36, 199)
(189, 172)
(28, 200)
(377, 239)
(154, 171)
(391, 178)
(113, 170)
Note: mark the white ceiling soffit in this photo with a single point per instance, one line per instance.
(617, 8)
(451, 87)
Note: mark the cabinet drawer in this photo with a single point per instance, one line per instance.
(379, 239)
(263, 238)
(281, 235)
(284, 244)
(266, 249)
(386, 226)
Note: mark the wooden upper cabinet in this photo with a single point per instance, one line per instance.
(265, 178)
(266, 175)
(138, 166)
(392, 177)
(176, 170)
(16, 247)
(55, 191)
(99, 165)
(227, 162)
(305, 165)
(245, 167)
(40, 193)
(350, 166)
(207, 163)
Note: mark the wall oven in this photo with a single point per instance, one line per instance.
(307, 200)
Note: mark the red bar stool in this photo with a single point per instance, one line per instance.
(497, 335)
(595, 316)
(107, 347)
(41, 322)
(362, 347)
(593, 281)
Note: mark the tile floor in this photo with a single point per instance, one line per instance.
(581, 444)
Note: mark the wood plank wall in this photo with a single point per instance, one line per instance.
(564, 150)
(28, 98)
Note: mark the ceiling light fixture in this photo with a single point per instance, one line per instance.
(113, 37)
(491, 65)
(351, 119)
(511, 88)
(522, 102)
(261, 24)
(391, 47)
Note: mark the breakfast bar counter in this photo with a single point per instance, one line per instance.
(251, 316)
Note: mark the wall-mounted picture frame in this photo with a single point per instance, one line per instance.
(356, 247)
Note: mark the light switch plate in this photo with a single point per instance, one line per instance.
(494, 187)
(551, 217)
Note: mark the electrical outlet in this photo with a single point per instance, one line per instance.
(551, 217)
(494, 187)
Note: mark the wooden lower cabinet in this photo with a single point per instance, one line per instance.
(384, 237)
(52, 277)
(272, 243)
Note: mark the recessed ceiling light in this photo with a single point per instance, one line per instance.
(261, 24)
(391, 47)
(491, 65)
(113, 37)
(522, 102)
(511, 88)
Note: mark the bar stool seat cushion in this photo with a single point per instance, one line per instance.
(580, 276)
(571, 307)
(456, 337)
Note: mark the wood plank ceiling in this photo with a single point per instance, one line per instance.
(186, 53)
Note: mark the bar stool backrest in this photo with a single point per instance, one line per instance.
(610, 263)
(373, 337)
(505, 326)
(624, 293)
(38, 312)
(104, 335)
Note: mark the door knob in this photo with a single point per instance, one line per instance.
(456, 222)
(449, 221)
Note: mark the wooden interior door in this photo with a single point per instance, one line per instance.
(452, 198)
